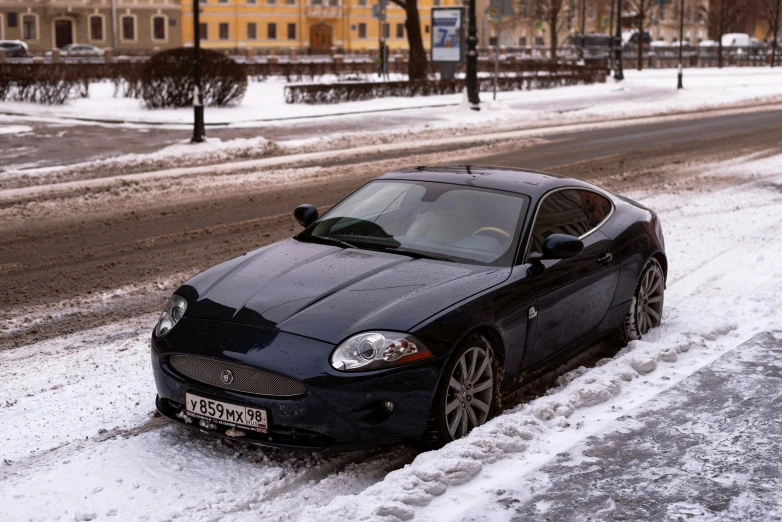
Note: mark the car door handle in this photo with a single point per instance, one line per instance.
(605, 259)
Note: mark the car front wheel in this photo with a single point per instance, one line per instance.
(466, 393)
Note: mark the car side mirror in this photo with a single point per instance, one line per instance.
(559, 246)
(305, 214)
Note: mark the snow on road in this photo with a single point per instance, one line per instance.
(57, 397)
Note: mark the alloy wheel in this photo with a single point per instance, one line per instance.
(649, 303)
(470, 391)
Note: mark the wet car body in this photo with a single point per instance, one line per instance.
(283, 309)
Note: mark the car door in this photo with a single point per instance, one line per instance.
(573, 295)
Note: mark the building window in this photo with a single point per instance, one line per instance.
(252, 2)
(291, 31)
(252, 31)
(362, 30)
(662, 13)
(128, 28)
(223, 31)
(590, 12)
(29, 27)
(203, 31)
(400, 30)
(386, 30)
(222, 1)
(290, 2)
(159, 28)
(13, 20)
(522, 41)
(426, 29)
(316, 2)
(362, 2)
(203, 2)
(334, 3)
(271, 2)
(96, 28)
(436, 3)
(271, 31)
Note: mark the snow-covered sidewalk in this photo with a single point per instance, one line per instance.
(75, 444)
(642, 93)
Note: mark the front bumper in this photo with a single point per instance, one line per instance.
(339, 411)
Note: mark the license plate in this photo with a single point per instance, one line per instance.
(224, 413)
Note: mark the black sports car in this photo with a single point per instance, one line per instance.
(407, 309)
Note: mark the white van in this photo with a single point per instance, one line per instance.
(739, 40)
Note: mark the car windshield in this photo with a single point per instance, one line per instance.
(426, 219)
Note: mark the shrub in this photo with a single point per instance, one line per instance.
(50, 84)
(167, 79)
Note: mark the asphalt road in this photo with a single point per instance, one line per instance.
(44, 263)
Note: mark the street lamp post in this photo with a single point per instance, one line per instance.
(472, 60)
(618, 73)
(198, 100)
(583, 29)
(610, 27)
(680, 85)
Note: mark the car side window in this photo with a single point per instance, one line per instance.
(561, 212)
(597, 207)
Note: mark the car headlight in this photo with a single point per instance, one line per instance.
(372, 350)
(173, 312)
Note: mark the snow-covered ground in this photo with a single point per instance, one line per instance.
(646, 92)
(77, 439)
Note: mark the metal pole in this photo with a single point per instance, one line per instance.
(583, 29)
(618, 73)
(611, 40)
(472, 60)
(497, 52)
(680, 85)
(115, 37)
(198, 100)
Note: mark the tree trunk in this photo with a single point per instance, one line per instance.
(554, 38)
(719, 52)
(640, 64)
(418, 64)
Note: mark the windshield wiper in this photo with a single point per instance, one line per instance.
(325, 241)
(418, 253)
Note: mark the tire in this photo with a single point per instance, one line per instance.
(457, 408)
(646, 308)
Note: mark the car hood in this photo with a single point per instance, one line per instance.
(328, 293)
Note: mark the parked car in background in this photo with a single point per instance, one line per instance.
(708, 43)
(14, 48)
(79, 50)
(631, 37)
(740, 40)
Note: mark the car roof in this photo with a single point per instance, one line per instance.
(532, 183)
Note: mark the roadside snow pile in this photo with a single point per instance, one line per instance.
(715, 301)
(211, 151)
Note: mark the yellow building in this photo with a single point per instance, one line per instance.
(315, 25)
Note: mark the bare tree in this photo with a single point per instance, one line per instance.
(553, 13)
(642, 18)
(771, 11)
(724, 15)
(418, 63)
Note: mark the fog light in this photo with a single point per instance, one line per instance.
(388, 406)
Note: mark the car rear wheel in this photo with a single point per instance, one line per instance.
(646, 309)
(466, 394)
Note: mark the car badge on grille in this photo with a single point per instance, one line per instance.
(227, 376)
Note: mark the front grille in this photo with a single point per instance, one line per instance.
(246, 379)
